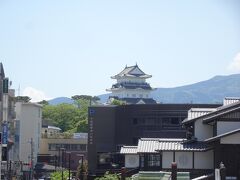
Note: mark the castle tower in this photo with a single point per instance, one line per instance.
(132, 87)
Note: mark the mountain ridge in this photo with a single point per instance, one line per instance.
(208, 91)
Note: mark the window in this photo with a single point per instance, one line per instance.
(135, 121)
(141, 161)
(68, 147)
(153, 160)
(140, 95)
(133, 95)
(175, 120)
(104, 158)
(83, 147)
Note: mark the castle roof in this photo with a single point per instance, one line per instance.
(131, 71)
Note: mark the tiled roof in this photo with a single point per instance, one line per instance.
(128, 150)
(221, 135)
(197, 112)
(147, 145)
(152, 145)
(214, 114)
(138, 100)
(230, 100)
(130, 72)
(181, 146)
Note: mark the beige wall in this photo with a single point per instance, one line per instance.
(45, 141)
(203, 160)
(184, 160)
(231, 139)
(167, 159)
(202, 131)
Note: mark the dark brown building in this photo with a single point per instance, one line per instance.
(111, 127)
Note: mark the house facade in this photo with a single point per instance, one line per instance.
(213, 137)
(155, 154)
(111, 127)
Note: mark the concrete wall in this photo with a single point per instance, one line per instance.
(232, 139)
(224, 126)
(184, 160)
(44, 145)
(202, 131)
(167, 159)
(203, 160)
(30, 117)
(131, 160)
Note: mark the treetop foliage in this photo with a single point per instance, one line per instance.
(22, 99)
(69, 117)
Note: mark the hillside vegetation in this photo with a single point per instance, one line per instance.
(69, 117)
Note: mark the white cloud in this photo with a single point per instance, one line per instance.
(34, 94)
(235, 64)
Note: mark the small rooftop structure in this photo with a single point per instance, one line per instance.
(230, 100)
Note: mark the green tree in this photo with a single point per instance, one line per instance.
(58, 175)
(82, 170)
(22, 99)
(108, 176)
(118, 102)
(68, 117)
(43, 102)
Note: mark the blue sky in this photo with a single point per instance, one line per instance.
(55, 48)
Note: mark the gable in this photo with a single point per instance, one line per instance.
(231, 139)
(232, 115)
(136, 71)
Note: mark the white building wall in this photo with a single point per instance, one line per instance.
(224, 126)
(203, 160)
(132, 80)
(131, 160)
(202, 131)
(184, 160)
(30, 118)
(231, 139)
(167, 159)
(132, 93)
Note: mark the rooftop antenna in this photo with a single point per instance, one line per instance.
(18, 90)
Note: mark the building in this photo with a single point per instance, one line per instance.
(28, 132)
(157, 154)
(6, 123)
(53, 145)
(213, 136)
(111, 127)
(220, 131)
(131, 86)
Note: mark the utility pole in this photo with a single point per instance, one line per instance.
(31, 160)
